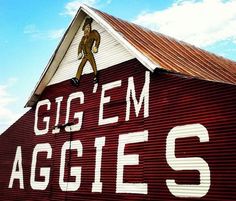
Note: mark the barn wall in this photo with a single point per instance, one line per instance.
(174, 103)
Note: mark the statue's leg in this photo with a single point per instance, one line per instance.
(93, 63)
(81, 67)
(94, 66)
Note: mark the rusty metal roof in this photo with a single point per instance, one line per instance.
(152, 49)
(173, 55)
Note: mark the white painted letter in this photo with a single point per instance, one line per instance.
(78, 115)
(17, 174)
(144, 97)
(58, 101)
(97, 184)
(44, 172)
(107, 99)
(193, 163)
(74, 171)
(123, 160)
(45, 119)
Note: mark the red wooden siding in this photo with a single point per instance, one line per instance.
(174, 101)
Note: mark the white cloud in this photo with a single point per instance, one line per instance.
(108, 2)
(7, 115)
(72, 7)
(30, 29)
(199, 22)
(3, 42)
(35, 33)
(55, 34)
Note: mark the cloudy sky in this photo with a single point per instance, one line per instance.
(31, 30)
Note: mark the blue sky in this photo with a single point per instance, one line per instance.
(31, 30)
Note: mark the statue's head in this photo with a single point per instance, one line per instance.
(87, 26)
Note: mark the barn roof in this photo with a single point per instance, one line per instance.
(152, 49)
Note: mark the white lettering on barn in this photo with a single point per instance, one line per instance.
(144, 97)
(190, 163)
(37, 131)
(123, 160)
(58, 100)
(17, 174)
(41, 127)
(97, 184)
(74, 171)
(107, 99)
(44, 171)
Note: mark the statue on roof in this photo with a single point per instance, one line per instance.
(88, 45)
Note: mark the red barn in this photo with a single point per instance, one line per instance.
(151, 118)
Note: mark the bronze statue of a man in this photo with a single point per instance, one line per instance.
(86, 49)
